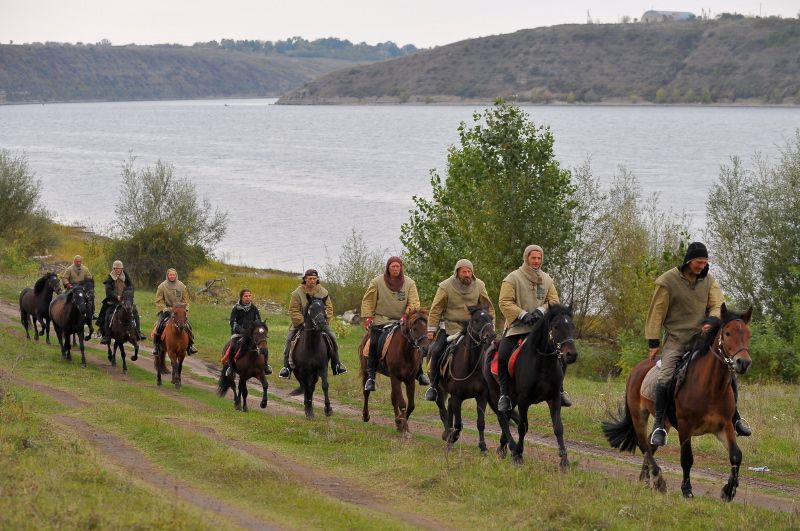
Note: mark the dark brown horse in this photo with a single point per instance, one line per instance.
(174, 343)
(310, 355)
(70, 313)
(400, 364)
(122, 329)
(252, 363)
(88, 286)
(463, 377)
(538, 377)
(34, 305)
(704, 402)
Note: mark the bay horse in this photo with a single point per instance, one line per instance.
(34, 305)
(401, 364)
(123, 329)
(70, 313)
(252, 363)
(311, 355)
(703, 403)
(463, 377)
(538, 376)
(174, 343)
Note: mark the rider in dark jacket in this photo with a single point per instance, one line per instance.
(116, 283)
(243, 314)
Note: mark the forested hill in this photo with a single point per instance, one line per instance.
(74, 72)
(725, 60)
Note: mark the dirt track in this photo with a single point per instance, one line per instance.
(706, 482)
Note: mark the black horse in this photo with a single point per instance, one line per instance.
(88, 286)
(463, 378)
(122, 329)
(311, 355)
(34, 305)
(70, 313)
(538, 377)
(252, 363)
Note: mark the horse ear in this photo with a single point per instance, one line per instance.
(723, 311)
(473, 309)
(747, 315)
(308, 297)
(325, 298)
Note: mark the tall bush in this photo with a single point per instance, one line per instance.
(347, 278)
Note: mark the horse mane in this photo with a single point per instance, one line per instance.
(541, 327)
(703, 342)
(39, 286)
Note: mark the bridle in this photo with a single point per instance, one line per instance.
(721, 352)
(558, 344)
(317, 316)
(477, 342)
(407, 329)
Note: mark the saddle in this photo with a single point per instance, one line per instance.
(383, 341)
(158, 329)
(449, 351)
(293, 344)
(512, 362)
(648, 388)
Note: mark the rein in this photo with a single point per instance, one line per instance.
(481, 339)
(557, 344)
(406, 329)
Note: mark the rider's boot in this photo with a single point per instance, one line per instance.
(739, 424)
(286, 371)
(431, 394)
(504, 403)
(336, 366)
(422, 378)
(372, 362)
(659, 436)
(565, 399)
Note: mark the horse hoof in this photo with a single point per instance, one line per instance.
(484, 451)
(328, 411)
(310, 415)
(661, 485)
(237, 407)
(501, 452)
(407, 435)
(688, 494)
(124, 371)
(517, 460)
(158, 383)
(263, 404)
(134, 357)
(244, 409)
(445, 435)
(564, 465)
(83, 365)
(365, 418)
(178, 385)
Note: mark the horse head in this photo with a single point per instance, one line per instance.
(480, 327)
(314, 316)
(258, 335)
(414, 327)
(732, 341)
(127, 300)
(77, 296)
(49, 281)
(179, 317)
(88, 285)
(560, 331)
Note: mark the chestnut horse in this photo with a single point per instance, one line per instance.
(704, 402)
(174, 342)
(251, 364)
(400, 364)
(34, 305)
(463, 378)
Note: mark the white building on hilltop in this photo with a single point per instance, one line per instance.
(666, 16)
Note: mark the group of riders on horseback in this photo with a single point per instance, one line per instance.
(684, 297)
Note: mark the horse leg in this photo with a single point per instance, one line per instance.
(180, 369)
(264, 387)
(687, 460)
(558, 430)
(365, 407)
(522, 429)
(735, 456)
(308, 396)
(410, 393)
(443, 415)
(135, 349)
(398, 405)
(122, 353)
(112, 352)
(237, 397)
(481, 423)
(243, 391)
(328, 408)
(83, 349)
(455, 416)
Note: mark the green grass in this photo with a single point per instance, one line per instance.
(413, 475)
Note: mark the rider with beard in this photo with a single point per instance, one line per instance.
(450, 308)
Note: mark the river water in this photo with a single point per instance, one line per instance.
(297, 179)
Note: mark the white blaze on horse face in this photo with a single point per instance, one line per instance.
(260, 330)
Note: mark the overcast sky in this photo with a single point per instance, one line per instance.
(423, 23)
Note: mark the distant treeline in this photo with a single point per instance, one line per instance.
(330, 47)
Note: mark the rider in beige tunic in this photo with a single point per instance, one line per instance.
(388, 298)
(450, 308)
(169, 293)
(76, 273)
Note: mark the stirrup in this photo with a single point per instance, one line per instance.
(742, 428)
(504, 404)
(267, 369)
(369, 385)
(192, 350)
(431, 395)
(285, 373)
(656, 439)
(339, 369)
(422, 378)
(229, 370)
(565, 399)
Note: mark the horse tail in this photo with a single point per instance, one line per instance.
(620, 431)
(223, 384)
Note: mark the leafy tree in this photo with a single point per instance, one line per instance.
(161, 223)
(348, 278)
(503, 190)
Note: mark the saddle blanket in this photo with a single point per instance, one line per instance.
(512, 362)
(386, 340)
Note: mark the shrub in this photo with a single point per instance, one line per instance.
(348, 278)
